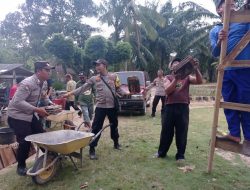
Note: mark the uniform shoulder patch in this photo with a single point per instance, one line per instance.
(97, 78)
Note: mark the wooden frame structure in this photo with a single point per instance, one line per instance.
(241, 16)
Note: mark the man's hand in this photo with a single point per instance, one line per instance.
(66, 95)
(196, 64)
(41, 112)
(222, 36)
(51, 103)
(220, 67)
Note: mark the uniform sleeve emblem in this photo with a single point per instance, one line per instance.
(97, 79)
(117, 82)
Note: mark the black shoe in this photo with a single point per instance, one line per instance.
(21, 171)
(92, 155)
(117, 146)
(153, 115)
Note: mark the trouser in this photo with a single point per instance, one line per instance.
(100, 114)
(23, 129)
(156, 101)
(87, 112)
(236, 88)
(175, 119)
(72, 104)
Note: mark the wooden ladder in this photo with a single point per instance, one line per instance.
(243, 15)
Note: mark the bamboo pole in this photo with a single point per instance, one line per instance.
(226, 19)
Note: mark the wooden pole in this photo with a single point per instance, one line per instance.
(226, 19)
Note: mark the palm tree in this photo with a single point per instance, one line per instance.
(129, 21)
(186, 32)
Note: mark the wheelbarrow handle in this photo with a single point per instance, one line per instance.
(99, 133)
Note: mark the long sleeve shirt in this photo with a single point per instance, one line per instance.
(26, 98)
(104, 97)
(236, 32)
(87, 97)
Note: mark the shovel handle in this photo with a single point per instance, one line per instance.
(99, 133)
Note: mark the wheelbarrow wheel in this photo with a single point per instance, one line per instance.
(46, 175)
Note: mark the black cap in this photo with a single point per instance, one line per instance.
(175, 59)
(100, 61)
(42, 65)
(82, 74)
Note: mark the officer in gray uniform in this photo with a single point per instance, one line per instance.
(23, 113)
(104, 102)
(159, 91)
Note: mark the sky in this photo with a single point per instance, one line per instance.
(7, 6)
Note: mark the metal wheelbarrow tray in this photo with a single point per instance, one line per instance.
(62, 141)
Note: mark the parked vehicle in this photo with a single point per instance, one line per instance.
(135, 82)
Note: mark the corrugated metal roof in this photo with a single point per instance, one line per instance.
(7, 67)
(4, 68)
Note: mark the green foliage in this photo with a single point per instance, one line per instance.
(78, 59)
(123, 51)
(113, 13)
(61, 47)
(96, 47)
(111, 54)
(36, 21)
(152, 34)
(9, 55)
(57, 85)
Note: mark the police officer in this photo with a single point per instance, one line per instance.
(23, 113)
(159, 91)
(104, 102)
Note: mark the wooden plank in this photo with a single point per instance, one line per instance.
(1, 163)
(238, 48)
(237, 63)
(240, 16)
(226, 17)
(228, 145)
(231, 146)
(7, 155)
(235, 106)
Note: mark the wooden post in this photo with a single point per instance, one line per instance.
(13, 77)
(226, 19)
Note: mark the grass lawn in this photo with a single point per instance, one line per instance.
(135, 168)
(203, 90)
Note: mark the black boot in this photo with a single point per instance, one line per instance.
(117, 146)
(21, 170)
(92, 155)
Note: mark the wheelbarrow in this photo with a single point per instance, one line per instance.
(56, 145)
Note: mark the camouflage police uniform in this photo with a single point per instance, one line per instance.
(21, 116)
(104, 103)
